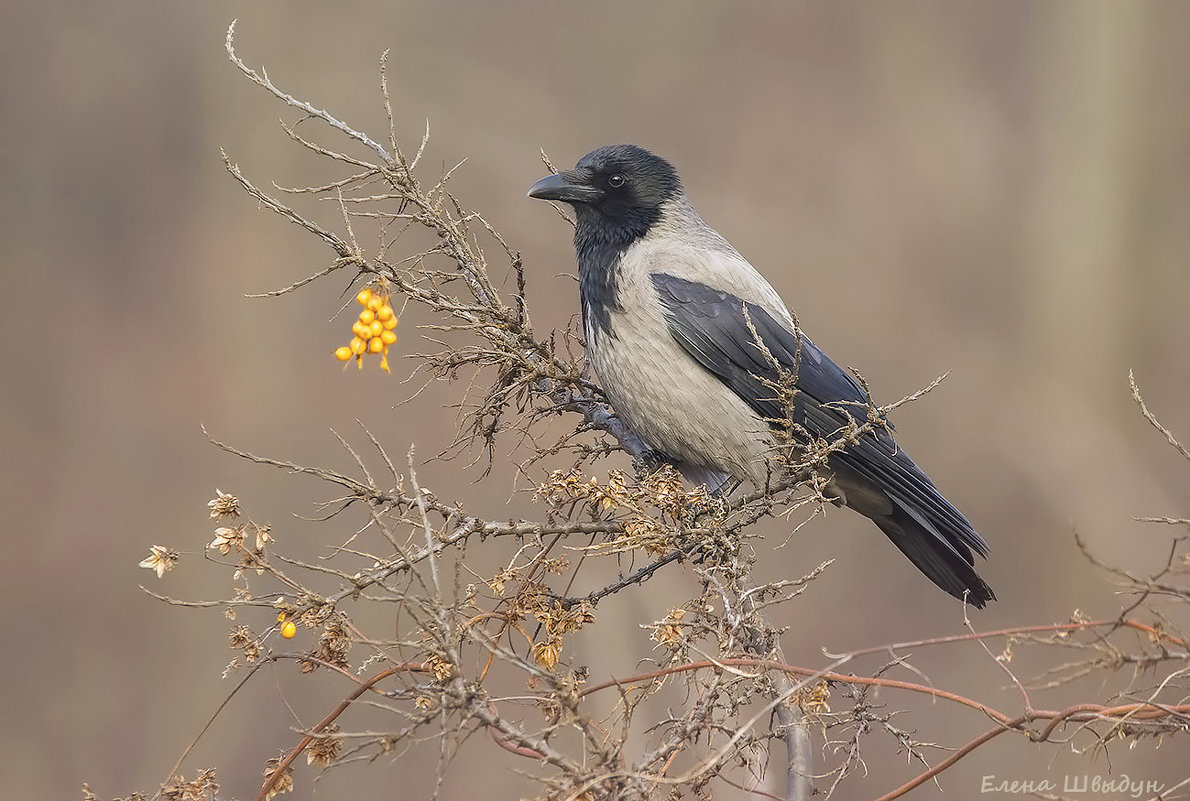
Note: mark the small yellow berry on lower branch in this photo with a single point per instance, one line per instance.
(388, 337)
(343, 353)
(375, 345)
(357, 345)
(288, 629)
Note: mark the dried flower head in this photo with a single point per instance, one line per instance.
(160, 559)
(813, 700)
(278, 782)
(242, 639)
(224, 505)
(442, 669)
(614, 493)
(646, 534)
(559, 565)
(202, 788)
(560, 620)
(324, 749)
(546, 652)
(227, 538)
(668, 632)
(501, 579)
(664, 488)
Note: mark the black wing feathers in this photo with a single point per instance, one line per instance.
(711, 326)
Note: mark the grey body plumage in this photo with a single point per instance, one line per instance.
(671, 314)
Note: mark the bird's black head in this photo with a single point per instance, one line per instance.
(617, 190)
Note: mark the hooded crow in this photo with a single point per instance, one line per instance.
(675, 319)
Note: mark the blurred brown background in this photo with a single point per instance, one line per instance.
(999, 190)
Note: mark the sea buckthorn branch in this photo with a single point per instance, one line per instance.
(463, 525)
(363, 687)
(525, 364)
(1155, 634)
(893, 648)
(263, 80)
(469, 631)
(1143, 712)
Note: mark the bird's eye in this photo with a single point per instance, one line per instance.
(616, 181)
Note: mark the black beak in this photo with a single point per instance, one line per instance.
(567, 187)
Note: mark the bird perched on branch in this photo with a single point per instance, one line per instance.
(691, 345)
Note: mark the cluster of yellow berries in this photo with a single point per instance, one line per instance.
(288, 627)
(373, 330)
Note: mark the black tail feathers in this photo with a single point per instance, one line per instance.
(944, 559)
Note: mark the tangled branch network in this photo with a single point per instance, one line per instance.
(482, 619)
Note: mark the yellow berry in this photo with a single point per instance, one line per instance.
(390, 323)
(375, 345)
(375, 328)
(375, 302)
(357, 345)
(288, 629)
(343, 353)
(388, 337)
(361, 329)
(384, 313)
(367, 316)
(364, 296)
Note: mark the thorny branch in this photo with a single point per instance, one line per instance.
(464, 589)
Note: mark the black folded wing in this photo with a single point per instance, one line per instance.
(712, 327)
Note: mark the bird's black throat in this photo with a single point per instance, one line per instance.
(599, 244)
